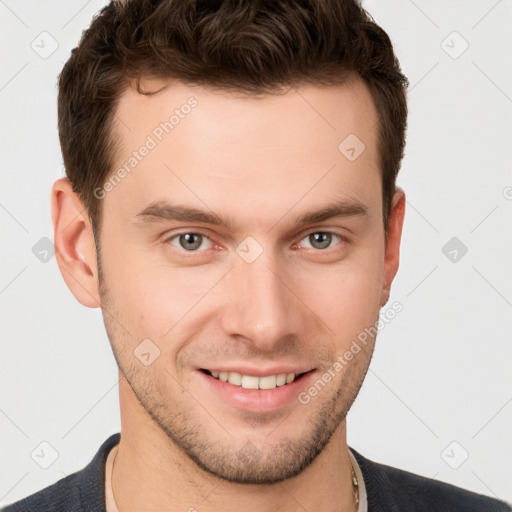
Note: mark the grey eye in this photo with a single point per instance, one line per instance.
(188, 241)
(321, 239)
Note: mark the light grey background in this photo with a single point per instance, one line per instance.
(440, 383)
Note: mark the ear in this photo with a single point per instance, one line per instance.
(392, 253)
(75, 249)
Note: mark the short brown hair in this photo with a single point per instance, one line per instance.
(250, 46)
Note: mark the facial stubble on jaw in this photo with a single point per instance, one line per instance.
(240, 461)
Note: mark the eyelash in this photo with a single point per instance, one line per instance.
(195, 252)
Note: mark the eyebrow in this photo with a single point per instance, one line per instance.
(159, 211)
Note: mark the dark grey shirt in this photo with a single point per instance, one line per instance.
(388, 489)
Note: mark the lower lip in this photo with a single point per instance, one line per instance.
(257, 400)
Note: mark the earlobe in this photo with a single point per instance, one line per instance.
(75, 249)
(392, 252)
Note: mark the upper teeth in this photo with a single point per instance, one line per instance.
(252, 382)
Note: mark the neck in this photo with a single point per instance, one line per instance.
(152, 474)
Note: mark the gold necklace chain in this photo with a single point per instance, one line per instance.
(355, 484)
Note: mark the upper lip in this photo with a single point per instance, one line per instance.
(259, 371)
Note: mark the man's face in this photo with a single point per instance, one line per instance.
(260, 297)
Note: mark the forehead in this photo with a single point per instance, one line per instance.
(230, 150)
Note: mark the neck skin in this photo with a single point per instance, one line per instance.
(152, 474)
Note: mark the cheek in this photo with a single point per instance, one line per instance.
(157, 300)
(347, 296)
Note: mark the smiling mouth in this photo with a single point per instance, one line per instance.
(253, 382)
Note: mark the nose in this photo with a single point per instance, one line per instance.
(260, 305)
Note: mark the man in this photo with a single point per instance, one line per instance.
(230, 204)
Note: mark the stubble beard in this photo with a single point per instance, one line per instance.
(236, 460)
